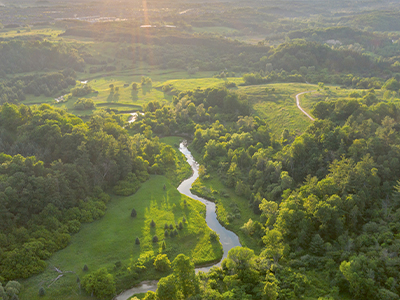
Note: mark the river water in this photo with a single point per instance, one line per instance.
(227, 238)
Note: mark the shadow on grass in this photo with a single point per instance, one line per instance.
(134, 95)
(146, 89)
(113, 97)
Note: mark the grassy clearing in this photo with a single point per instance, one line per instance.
(278, 107)
(112, 239)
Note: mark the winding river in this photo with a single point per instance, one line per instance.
(227, 238)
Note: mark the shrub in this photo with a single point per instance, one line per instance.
(133, 213)
(85, 268)
(81, 91)
(163, 246)
(42, 292)
(166, 226)
(214, 236)
(162, 263)
(175, 232)
(137, 241)
(128, 186)
(166, 233)
(100, 283)
(180, 226)
(155, 239)
(83, 103)
(150, 296)
(152, 224)
(184, 220)
(171, 226)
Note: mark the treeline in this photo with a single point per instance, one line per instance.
(292, 56)
(28, 56)
(312, 76)
(345, 35)
(50, 84)
(54, 169)
(191, 107)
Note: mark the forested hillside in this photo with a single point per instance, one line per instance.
(54, 169)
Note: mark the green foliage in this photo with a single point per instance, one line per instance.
(162, 263)
(82, 91)
(150, 296)
(99, 283)
(84, 103)
(42, 292)
(166, 288)
(391, 85)
(128, 186)
(10, 291)
(186, 281)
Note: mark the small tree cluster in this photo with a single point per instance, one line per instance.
(162, 263)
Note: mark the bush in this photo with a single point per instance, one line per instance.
(175, 232)
(214, 236)
(162, 263)
(128, 186)
(171, 226)
(166, 226)
(166, 233)
(184, 220)
(42, 292)
(85, 268)
(83, 104)
(100, 283)
(152, 224)
(155, 239)
(150, 296)
(133, 213)
(180, 226)
(137, 241)
(81, 91)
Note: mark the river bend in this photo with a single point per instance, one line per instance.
(227, 238)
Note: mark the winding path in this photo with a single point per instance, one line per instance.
(298, 104)
(227, 238)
